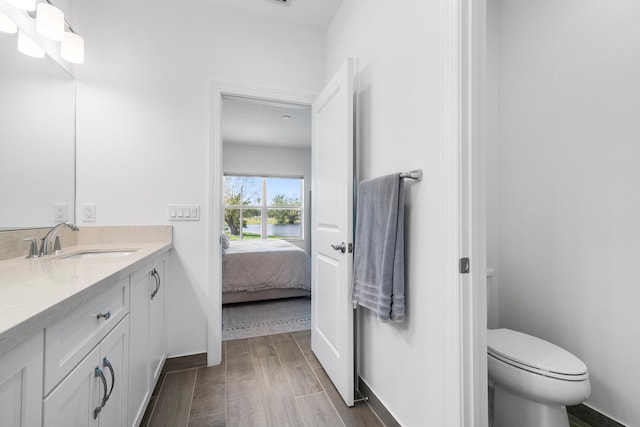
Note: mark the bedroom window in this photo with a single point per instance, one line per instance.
(263, 207)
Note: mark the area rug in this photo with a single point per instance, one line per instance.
(256, 319)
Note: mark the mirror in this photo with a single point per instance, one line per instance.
(37, 139)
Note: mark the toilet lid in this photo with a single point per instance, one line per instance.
(534, 354)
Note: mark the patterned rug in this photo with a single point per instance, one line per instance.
(256, 319)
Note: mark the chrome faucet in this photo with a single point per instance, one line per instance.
(53, 233)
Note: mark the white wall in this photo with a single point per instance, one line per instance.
(567, 187)
(144, 115)
(399, 128)
(275, 161)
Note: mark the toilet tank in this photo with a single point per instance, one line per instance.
(492, 300)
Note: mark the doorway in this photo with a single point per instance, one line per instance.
(235, 97)
(266, 275)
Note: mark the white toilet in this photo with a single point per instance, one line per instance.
(533, 380)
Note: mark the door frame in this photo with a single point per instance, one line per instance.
(219, 89)
(464, 57)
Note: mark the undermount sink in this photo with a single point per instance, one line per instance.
(99, 254)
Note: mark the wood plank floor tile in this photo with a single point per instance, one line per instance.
(265, 381)
(318, 411)
(174, 401)
(262, 347)
(360, 415)
(281, 409)
(302, 380)
(215, 420)
(246, 403)
(235, 347)
(209, 376)
(240, 368)
(281, 337)
(303, 338)
(211, 400)
(289, 353)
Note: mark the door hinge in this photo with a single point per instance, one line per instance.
(465, 266)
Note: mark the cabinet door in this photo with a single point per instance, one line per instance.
(21, 384)
(157, 334)
(139, 368)
(74, 400)
(114, 362)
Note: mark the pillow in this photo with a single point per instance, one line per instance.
(225, 241)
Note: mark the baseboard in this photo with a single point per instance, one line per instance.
(592, 417)
(376, 406)
(181, 363)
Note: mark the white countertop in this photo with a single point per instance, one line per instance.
(36, 292)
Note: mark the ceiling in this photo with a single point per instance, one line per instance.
(312, 13)
(259, 122)
(256, 122)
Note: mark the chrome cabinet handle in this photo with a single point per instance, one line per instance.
(107, 364)
(104, 316)
(156, 276)
(100, 374)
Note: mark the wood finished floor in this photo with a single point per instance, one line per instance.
(265, 381)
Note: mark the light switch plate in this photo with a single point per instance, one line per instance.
(184, 213)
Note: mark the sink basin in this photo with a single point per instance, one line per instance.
(100, 254)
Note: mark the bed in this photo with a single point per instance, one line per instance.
(254, 270)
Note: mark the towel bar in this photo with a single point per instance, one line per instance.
(414, 174)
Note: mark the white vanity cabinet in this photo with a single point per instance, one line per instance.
(21, 384)
(95, 392)
(148, 349)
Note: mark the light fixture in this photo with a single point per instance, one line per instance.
(285, 117)
(50, 21)
(7, 25)
(28, 46)
(72, 48)
(28, 5)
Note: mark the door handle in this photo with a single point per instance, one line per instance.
(341, 247)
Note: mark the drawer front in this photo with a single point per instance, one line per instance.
(69, 340)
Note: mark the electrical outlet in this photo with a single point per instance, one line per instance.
(89, 212)
(60, 212)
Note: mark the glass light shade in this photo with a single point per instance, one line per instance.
(27, 46)
(50, 22)
(7, 25)
(28, 5)
(72, 48)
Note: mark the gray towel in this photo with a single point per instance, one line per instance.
(378, 261)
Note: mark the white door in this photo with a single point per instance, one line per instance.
(332, 224)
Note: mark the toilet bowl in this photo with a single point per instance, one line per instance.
(533, 380)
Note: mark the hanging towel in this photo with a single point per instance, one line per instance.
(378, 261)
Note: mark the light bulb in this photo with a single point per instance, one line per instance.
(7, 25)
(72, 48)
(28, 5)
(28, 46)
(50, 21)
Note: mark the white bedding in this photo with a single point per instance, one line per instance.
(256, 265)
